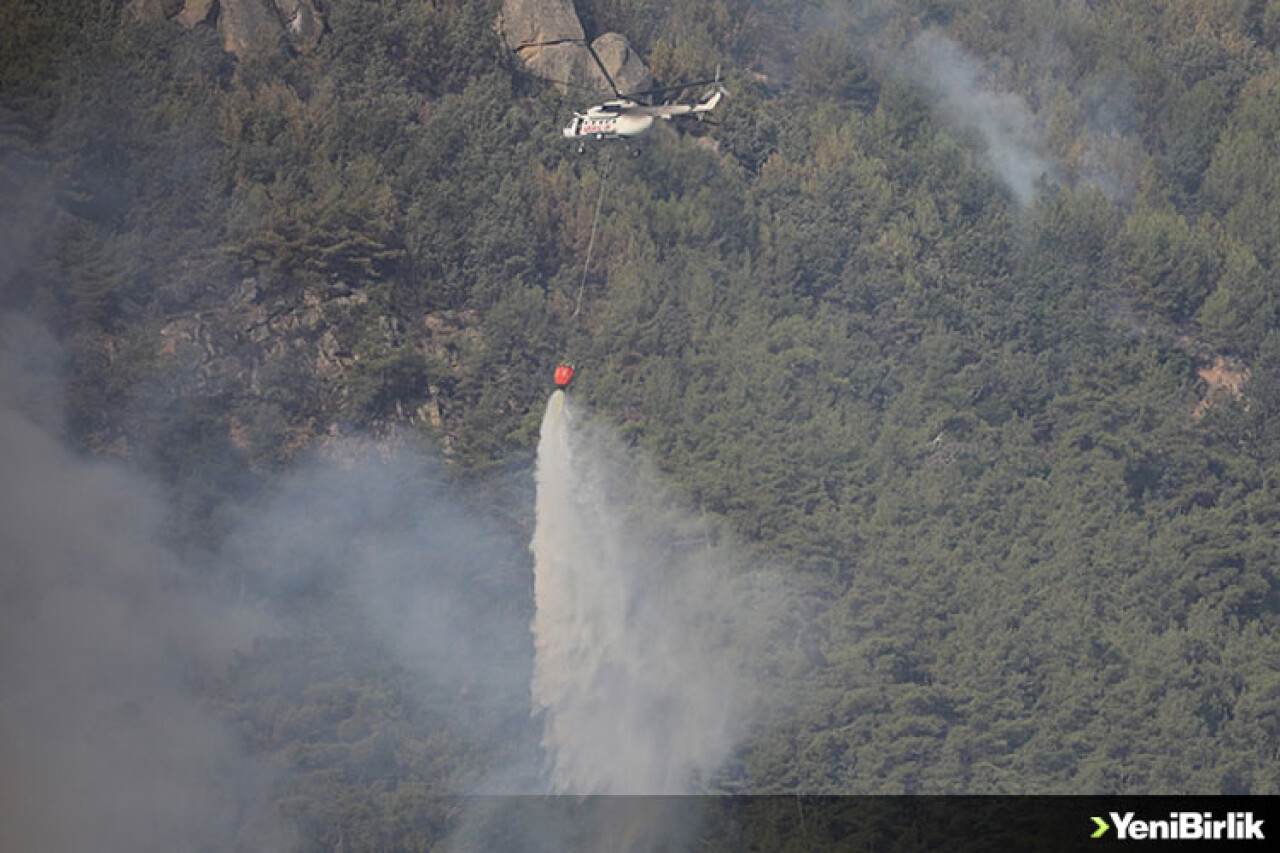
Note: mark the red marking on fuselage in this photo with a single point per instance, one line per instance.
(597, 126)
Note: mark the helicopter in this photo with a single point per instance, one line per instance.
(626, 116)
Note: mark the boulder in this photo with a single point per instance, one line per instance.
(569, 64)
(153, 10)
(195, 12)
(573, 64)
(550, 41)
(248, 26)
(625, 67)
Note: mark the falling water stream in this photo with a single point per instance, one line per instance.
(634, 695)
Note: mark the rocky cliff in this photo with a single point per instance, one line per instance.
(550, 41)
(536, 22)
(247, 26)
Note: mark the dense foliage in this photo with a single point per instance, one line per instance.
(1037, 539)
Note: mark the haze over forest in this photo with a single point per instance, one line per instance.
(928, 404)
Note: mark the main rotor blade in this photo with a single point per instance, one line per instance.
(668, 89)
(607, 76)
(603, 70)
(522, 45)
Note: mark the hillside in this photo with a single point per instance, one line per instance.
(964, 321)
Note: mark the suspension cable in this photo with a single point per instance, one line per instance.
(591, 242)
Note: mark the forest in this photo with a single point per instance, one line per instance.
(964, 321)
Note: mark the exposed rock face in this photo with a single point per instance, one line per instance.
(195, 12)
(528, 22)
(626, 68)
(153, 10)
(565, 63)
(528, 25)
(302, 22)
(247, 342)
(247, 26)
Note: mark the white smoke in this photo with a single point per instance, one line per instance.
(633, 672)
(370, 539)
(103, 745)
(1113, 158)
(1003, 119)
(113, 645)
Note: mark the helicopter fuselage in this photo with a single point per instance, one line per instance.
(609, 121)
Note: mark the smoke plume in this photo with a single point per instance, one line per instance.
(369, 540)
(113, 647)
(1002, 119)
(103, 745)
